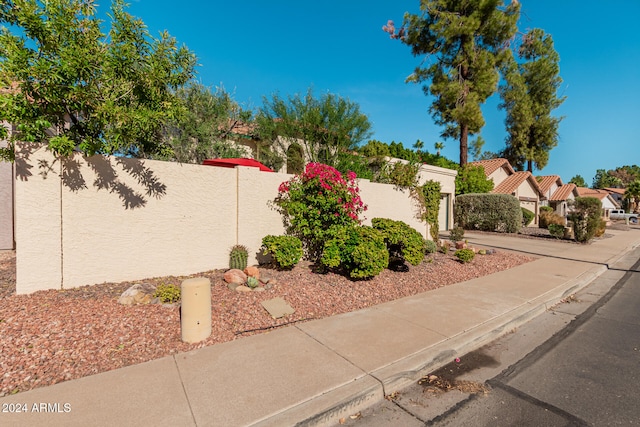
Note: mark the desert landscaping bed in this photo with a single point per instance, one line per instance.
(53, 336)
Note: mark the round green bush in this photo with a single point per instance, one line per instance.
(360, 251)
(401, 240)
(285, 250)
(465, 255)
(527, 216)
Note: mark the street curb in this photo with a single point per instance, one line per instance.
(347, 400)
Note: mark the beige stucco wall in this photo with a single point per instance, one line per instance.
(84, 221)
(526, 190)
(498, 176)
(447, 179)
(388, 201)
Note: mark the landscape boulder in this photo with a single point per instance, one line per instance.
(235, 276)
(140, 293)
(252, 271)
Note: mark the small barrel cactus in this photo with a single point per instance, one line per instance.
(238, 257)
(252, 282)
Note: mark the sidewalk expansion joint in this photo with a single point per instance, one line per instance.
(184, 390)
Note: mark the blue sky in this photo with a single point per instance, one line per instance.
(255, 48)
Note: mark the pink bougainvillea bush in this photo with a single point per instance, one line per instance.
(316, 203)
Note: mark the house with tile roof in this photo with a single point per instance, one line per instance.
(556, 194)
(506, 180)
(608, 202)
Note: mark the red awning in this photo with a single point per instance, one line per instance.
(232, 163)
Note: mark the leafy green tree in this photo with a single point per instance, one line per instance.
(322, 126)
(604, 180)
(465, 42)
(472, 179)
(205, 127)
(72, 86)
(375, 148)
(578, 180)
(529, 97)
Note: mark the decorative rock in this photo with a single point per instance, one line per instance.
(235, 276)
(268, 285)
(461, 245)
(233, 286)
(252, 272)
(243, 288)
(140, 293)
(482, 252)
(264, 279)
(259, 289)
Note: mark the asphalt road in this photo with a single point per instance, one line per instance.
(576, 365)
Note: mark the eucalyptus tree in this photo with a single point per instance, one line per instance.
(68, 84)
(323, 127)
(463, 43)
(529, 97)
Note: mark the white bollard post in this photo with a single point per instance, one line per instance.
(195, 311)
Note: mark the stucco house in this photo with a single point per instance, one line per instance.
(506, 180)
(608, 202)
(556, 194)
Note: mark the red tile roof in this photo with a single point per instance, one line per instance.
(620, 191)
(591, 192)
(511, 184)
(562, 193)
(492, 165)
(545, 182)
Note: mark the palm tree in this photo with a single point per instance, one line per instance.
(632, 193)
(419, 145)
(438, 146)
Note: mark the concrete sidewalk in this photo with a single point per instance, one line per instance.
(316, 372)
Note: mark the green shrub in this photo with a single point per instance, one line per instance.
(527, 217)
(359, 251)
(285, 250)
(456, 234)
(556, 230)
(586, 218)
(402, 241)
(238, 256)
(465, 255)
(430, 247)
(168, 293)
(488, 212)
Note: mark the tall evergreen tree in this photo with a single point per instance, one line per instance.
(465, 42)
(529, 97)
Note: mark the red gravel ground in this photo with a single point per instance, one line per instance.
(53, 336)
